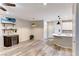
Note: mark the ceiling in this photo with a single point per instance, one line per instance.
(39, 11)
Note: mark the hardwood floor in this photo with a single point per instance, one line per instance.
(34, 48)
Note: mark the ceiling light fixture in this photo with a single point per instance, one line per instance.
(7, 12)
(34, 24)
(0, 4)
(44, 4)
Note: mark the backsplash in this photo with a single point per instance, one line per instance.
(66, 31)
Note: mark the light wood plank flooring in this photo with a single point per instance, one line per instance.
(34, 48)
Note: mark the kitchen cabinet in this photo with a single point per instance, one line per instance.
(10, 40)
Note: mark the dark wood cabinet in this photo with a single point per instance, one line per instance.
(11, 40)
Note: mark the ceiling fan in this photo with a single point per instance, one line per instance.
(7, 4)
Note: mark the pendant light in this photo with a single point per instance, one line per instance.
(58, 23)
(33, 23)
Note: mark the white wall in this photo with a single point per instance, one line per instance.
(38, 30)
(1, 38)
(76, 19)
(38, 33)
(67, 26)
(45, 30)
(23, 29)
(50, 29)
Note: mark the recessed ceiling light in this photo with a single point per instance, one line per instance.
(0, 4)
(7, 13)
(44, 4)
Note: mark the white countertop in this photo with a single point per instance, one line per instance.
(63, 35)
(10, 34)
